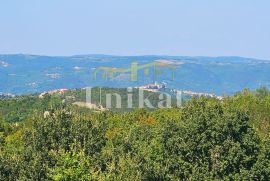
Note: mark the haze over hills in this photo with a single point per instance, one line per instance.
(22, 74)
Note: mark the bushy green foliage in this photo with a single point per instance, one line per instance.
(22, 108)
(206, 139)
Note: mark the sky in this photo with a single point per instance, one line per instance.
(136, 27)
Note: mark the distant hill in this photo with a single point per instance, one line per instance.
(22, 74)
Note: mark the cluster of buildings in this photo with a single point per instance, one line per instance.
(3, 64)
(57, 91)
(6, 95)
(153, 87)
(199, 94)
(161, 87)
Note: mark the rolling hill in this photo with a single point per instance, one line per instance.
(24, 74)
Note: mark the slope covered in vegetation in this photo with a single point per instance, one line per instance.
(206, 139)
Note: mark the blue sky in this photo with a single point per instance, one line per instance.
(136, 27)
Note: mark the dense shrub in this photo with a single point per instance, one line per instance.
(206, 139)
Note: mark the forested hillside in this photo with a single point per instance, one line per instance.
(206, 139)
(22, 108)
